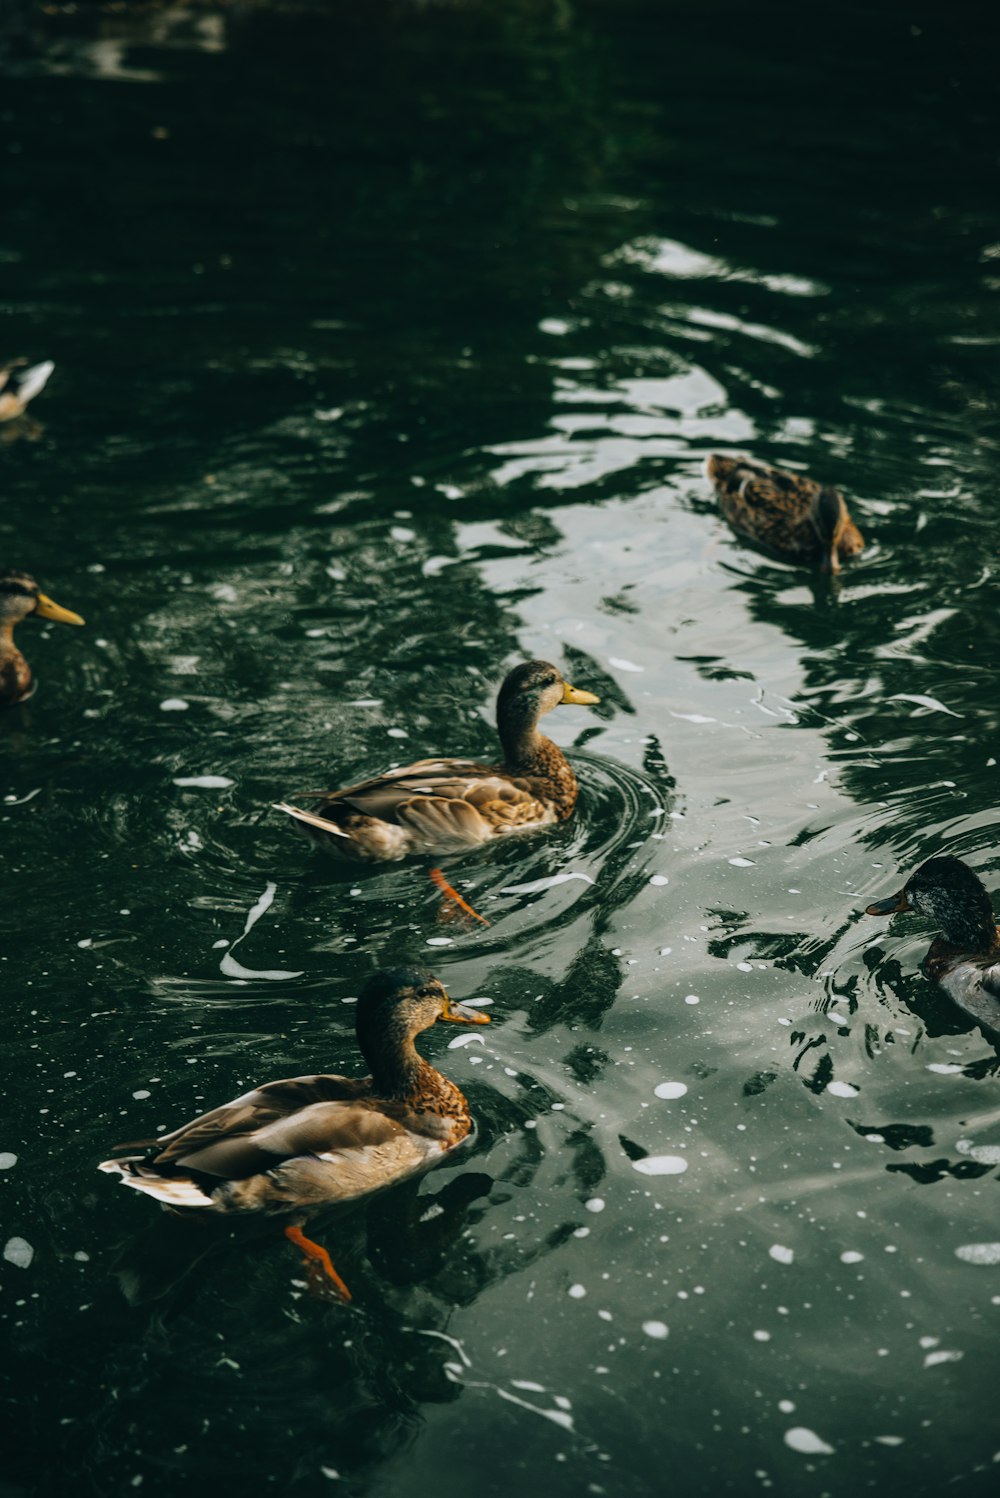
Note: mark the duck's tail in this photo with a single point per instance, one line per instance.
(172, 1191)
(310, 819)
(26, 383)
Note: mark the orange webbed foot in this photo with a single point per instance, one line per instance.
(322, 1275)
(453, 899)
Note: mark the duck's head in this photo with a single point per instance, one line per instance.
(531, 689)
(946, 891)
(20, 596)
(829, 517)
(395, 1006)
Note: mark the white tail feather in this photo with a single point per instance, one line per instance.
(310, 818)
(173, 1191)
(31, 381)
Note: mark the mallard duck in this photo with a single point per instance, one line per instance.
(447, 805)
(965, 958)
(296, 1146)
(788, 515)
(20, 383)
(19, 597)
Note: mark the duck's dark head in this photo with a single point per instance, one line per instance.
(397, 1005)
(20, 596)
(946, 891)
(531, 689)
(829, 517)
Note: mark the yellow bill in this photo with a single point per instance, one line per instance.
(574, 694)
(462, 1015)
(49, 610)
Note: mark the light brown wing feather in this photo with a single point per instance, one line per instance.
(255, 1110)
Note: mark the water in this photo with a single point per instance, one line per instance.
(389, 342)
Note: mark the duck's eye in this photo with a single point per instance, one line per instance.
(424, 993)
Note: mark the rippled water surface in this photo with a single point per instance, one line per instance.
(389, 341)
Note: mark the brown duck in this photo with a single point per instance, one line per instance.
(787, 515)
(449, 805)
(295, 1147)
(20, 597)
(965, 958)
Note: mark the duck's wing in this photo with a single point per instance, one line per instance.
(345, 1129)
(443, 804)
(246, 1115)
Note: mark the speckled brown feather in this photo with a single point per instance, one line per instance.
(771, 507)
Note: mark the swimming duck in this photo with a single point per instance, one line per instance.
(965, 958)
(19, 597)
(788, 515)
(20, 383)
(296, 1146)
(447, 805)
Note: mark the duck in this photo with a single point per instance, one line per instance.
(292, 1148)
(965, 958)
(438, 806)
(19, 384)
(20, 597)
(788, 515)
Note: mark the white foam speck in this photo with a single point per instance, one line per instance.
(661, 1165)
(581, 1232)
(670, 1089)
(691, 998)
(397, 733)
(207, 782)
(174, 705)
(222, 942)
(440, 941)
(944, 1068)
(461, 1041)
(851, 1256)
(842, 1089)
(576, 1292)
(983, 1154)
(944, 1356)
(595, 1204)
(7, 1160)
(659, 879)
(762, 1336)
(233, 969)
(18, 1251)
(780, 1254)
(665, 951)
(528, 1385)
(931, 703)
(800, 1438)
(87, 941)
(551, 882)
(330, 1472)
(402, 533)
(742, 863)
(979, 1253)
(142, 1092)
(889, 1440)
(786, 1406)
(622, 665)
(657, 1329)
(745, 967)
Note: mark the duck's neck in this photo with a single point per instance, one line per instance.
(523, 746)
(970, 930)
(397, 1070)
(15, 673)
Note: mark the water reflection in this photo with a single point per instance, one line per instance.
(390, 341)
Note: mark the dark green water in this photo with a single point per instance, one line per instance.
(389, 342)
